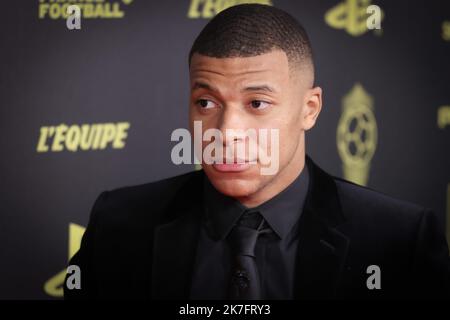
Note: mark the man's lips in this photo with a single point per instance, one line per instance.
(233, 166)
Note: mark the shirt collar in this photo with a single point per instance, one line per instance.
(280, 212)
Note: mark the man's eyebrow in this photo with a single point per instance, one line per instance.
(204, 85)
(263, 87)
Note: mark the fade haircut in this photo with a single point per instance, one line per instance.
(249, 30)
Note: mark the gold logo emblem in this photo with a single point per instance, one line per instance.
(352, 16)
(443, 117)
(446, 30)
(357, 134)
(54, 286)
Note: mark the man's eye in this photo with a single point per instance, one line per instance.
(205, 103)
(259, 105)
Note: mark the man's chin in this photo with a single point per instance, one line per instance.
(233, 184)
(236, 189)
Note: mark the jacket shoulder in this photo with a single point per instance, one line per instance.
(139, 203)
(374, 208)
(363, 196)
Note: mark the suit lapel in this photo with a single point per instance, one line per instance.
(175, 244)
(322, 247)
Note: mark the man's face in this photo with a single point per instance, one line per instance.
(259, 92)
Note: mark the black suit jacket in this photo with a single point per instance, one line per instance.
(140, 242)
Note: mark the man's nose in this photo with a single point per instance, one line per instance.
(231, 120)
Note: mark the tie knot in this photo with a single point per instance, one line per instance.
(243, 236)
(251, 219)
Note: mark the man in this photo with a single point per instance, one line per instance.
(230, 232)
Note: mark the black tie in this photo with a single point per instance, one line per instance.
(245, 281)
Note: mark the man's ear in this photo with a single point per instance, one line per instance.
(311, 107)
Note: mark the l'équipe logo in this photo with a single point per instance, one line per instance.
(83, 137)
(206, 9)
(90, 9)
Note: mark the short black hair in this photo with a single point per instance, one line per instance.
(249, 30)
